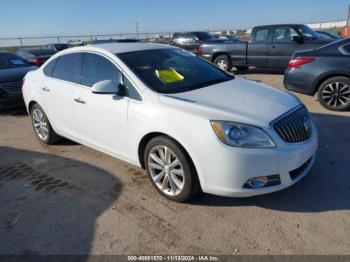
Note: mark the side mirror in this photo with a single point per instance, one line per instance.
(298, 39)
(107, 87)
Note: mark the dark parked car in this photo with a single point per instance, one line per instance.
(330, 35)
(107, 41)
(191, 40)
(36, 56)
(269, 47)
(324, 71)
(56, 47)
(12, 70)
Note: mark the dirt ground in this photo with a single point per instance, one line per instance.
(69, 199)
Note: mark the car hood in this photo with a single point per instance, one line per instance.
(14, 74)
(239, 100)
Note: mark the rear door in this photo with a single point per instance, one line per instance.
(283, 46)
(63, 75)
(258, 47)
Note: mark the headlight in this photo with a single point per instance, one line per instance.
(241, 135)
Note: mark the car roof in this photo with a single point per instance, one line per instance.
(275, 25)
(118, 48)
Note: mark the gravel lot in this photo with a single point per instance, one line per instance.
(69, 199)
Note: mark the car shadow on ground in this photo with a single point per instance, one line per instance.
(50, 204)
(266, 71)
(326, 188)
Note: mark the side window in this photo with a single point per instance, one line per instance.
(96, 68)
(131, 90)
(262, 35)
(68, 68)
(284, 35)
(49, 68)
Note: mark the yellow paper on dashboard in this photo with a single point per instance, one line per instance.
(169, 76)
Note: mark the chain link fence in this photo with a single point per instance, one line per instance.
(19, 42)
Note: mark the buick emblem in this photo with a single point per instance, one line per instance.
(306, 124)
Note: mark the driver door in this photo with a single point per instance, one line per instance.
(283, 46)
(101, 118)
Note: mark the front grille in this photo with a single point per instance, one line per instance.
(12, 88)
(297, 172)
(295, 127)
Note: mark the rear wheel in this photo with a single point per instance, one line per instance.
(170, 169)
(223, 62)
(42, 126)
(334, 94)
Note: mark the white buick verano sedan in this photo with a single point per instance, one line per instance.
(190, 125)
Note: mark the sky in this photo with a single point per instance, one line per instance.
(70, 17)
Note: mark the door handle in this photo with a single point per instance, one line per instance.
(273, 46)
(79, 100)
(46, 89)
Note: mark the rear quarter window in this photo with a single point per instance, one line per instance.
(49, 68)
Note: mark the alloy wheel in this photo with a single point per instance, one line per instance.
(222, 64)
(166, 170)
(336, 94)
(40, 124)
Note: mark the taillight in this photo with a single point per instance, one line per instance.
(300, 61)
(201, 50)
(36, 61)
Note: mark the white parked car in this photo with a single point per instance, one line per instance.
(191, 125)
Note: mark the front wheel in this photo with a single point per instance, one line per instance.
(42, 126)
(334, 94)
(170, 169)
(223, 62)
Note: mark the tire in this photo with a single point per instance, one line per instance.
(223, 62)
(180, 186)
(334, 93)
(42, 126)
(242, 68)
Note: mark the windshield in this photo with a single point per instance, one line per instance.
(173, 70)
(308, 33)
(61, 47)
(41, 52)
(8, 60)
(203, 35)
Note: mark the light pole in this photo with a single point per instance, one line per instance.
(137, 30)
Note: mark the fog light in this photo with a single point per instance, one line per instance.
(258, 182)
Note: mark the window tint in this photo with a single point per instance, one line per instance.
(262, 35)
(9, 60)
(131, 90)
(96, 68)
(284, 34)
(68, 68)
(49, 68)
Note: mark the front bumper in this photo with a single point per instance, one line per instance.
(224, 170)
